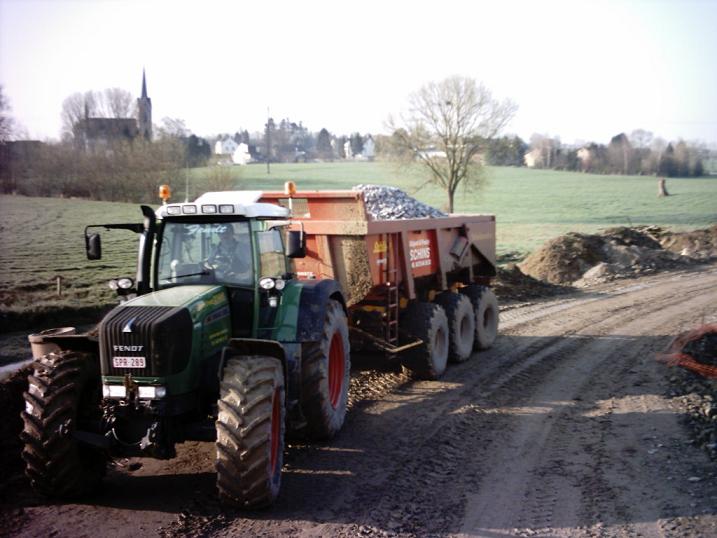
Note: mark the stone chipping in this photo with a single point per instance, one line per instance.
(391, 203)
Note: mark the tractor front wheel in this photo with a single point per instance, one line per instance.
(250, 431)
(63, 393)
(326, 370)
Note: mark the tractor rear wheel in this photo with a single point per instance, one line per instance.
(250, 431)
(63, 393)
(428, 322)
(487, 318)
(461, 325)
(326, 370)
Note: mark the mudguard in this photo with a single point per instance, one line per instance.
(315, 295)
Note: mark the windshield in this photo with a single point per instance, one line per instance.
(205, 253)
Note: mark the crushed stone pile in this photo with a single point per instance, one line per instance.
(583, 260)
(391, 203)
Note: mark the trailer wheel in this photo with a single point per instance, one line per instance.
(250, 431)
(63, 391)
(461, 325)
(487, 318)
(326, 369)
(428, 322)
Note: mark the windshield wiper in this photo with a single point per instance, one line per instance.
(193, 274)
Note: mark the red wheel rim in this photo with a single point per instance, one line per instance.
(275, 430)
(336, 369)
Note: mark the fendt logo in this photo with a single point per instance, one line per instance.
(128, 348)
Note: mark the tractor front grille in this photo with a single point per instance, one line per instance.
(160, 334)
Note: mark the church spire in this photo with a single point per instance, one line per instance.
(144, 111)
(144, 85)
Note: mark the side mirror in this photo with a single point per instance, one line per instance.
(296, 244)
(93, 245)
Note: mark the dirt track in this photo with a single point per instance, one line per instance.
(562, 429)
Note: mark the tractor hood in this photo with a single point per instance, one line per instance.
(197, 299)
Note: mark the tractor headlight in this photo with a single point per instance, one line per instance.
(280, 284)
(152, 393)
(114, 391)
(267, 283)
(125, 283)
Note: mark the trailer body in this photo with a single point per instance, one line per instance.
(384, 265)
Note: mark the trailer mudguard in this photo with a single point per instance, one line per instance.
(315, 295)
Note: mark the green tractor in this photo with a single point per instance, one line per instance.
(215, 339)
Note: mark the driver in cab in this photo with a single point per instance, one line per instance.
(231, 258)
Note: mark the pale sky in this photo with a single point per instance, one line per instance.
(580, 70)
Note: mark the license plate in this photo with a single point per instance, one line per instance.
(129, 362)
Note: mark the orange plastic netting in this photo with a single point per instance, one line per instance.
(695, 350)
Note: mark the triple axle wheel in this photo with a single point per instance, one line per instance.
(451, 327)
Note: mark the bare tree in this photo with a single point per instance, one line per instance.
(444, 128)
(6, 121)
(117, 103)
(75, 108)
(173, 128)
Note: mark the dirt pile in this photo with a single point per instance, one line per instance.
(582, 259)
(511, 284)
(697, 244)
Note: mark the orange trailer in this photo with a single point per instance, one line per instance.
(414, 287)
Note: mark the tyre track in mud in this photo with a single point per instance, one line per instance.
(437, 438)
(520, 440)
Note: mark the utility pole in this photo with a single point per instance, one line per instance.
(268, 141)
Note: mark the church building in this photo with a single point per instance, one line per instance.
(97, 134)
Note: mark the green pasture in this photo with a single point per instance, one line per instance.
(531, 206)
(41, 238)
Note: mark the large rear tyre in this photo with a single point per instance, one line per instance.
(428, 322)
(486, 312)
(63, 395)
(461, 325)
(326, 369)
(250, 431)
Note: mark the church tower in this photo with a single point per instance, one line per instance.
(144, 112)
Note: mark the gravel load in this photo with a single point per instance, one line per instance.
(391, 203)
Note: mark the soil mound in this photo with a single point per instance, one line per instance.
(583, 260)
(513, 285)
(697, 244)
(564, 259)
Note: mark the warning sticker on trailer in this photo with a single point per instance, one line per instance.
(420, 252)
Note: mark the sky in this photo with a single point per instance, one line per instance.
(579, 70)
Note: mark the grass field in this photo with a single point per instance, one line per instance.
(41, 238)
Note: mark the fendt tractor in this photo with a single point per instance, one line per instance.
(237, 328)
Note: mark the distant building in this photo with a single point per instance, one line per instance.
(225, 146)
(369, 148)
(241, 154)
(534, 158)
(95, 135)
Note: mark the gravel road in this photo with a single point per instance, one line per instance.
(562, 429)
